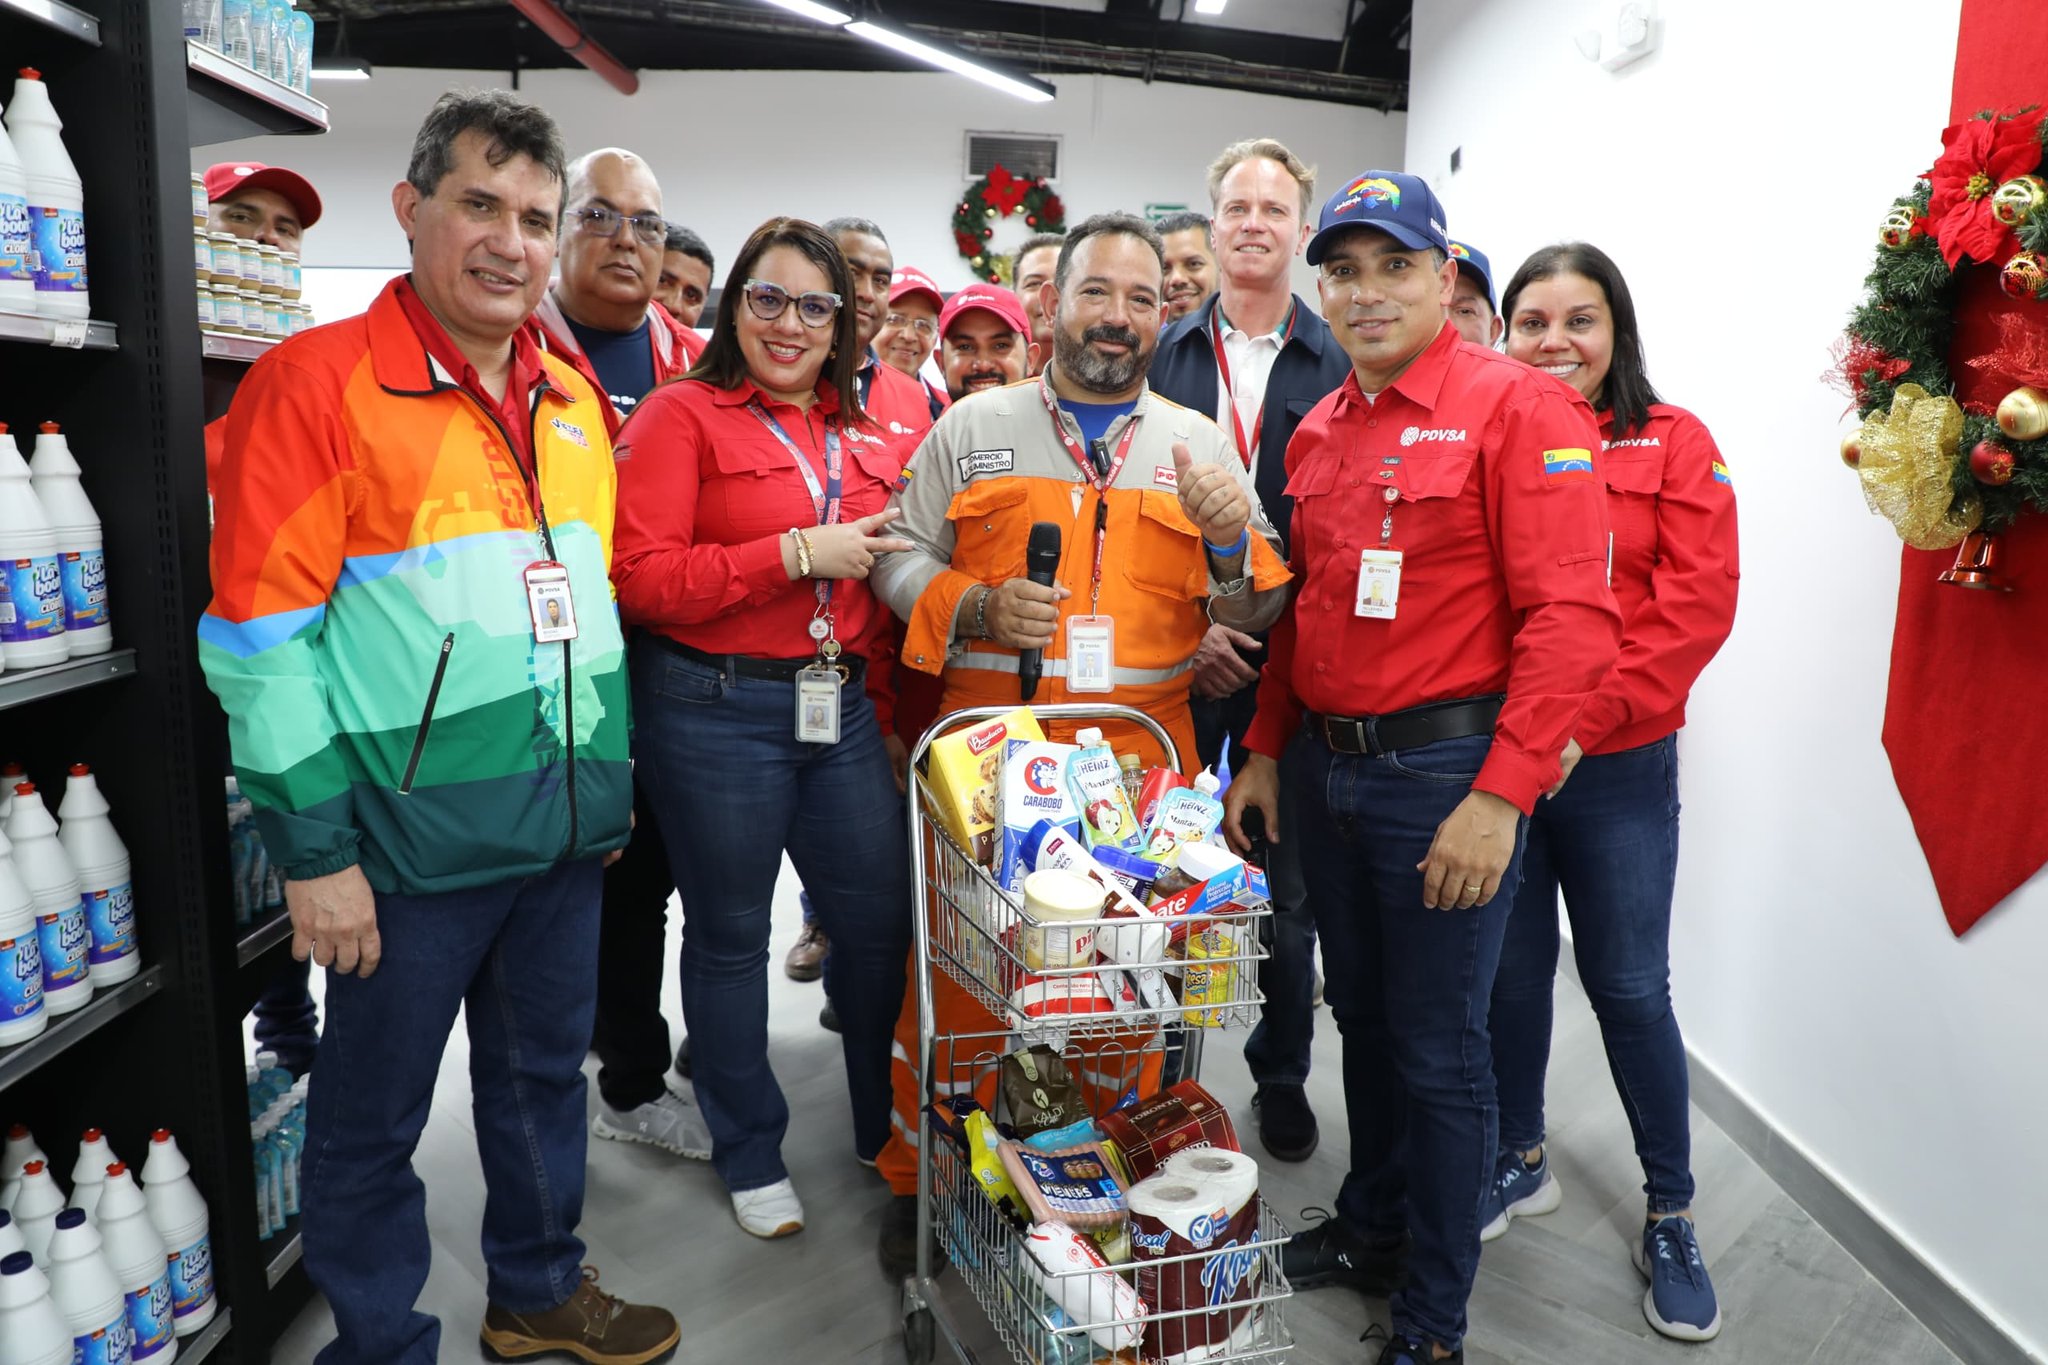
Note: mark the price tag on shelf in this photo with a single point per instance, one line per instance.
(68, 333)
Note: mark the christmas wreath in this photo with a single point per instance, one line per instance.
(1941, 471)
(995, 196)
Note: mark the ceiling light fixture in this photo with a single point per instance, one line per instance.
(810, 9)
(1210, 6)
(949, 59)
(340, 69)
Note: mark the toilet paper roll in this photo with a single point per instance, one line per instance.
(1194, 1229)
(1232, 1177)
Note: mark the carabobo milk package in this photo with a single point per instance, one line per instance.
(1034, 788)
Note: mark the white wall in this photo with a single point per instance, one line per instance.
(1738, 176)
(732, 148)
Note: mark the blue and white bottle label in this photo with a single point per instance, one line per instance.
(35, 594)
(191, 1277)
(17, 243)
(21, 977)
(60, 249)
(109, 1345)
(150, 1322)
(67, 947)
(85, 589)
(112, 913)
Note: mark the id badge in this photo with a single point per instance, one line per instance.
(817, 705)
(1091, 653)
(549, 603)
(1379, 584)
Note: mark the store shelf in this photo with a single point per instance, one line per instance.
(230, 101)
(34, 684)
(285, 1252)
(199, 1346)
(23, 1058)
(76, 334)
(260, 937)
(216, 346)
(55, 14)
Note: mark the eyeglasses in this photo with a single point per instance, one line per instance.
(924, 327)
(766, 302)
(598, 221)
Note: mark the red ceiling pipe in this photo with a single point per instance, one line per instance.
(548, 17)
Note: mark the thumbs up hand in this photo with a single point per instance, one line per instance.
(1211, 498)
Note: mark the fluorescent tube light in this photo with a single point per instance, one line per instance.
(810, 9)
(947, 59)
(340, 69)
(1210, 6)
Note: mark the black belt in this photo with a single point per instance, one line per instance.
(851, 666)
(1409, 729)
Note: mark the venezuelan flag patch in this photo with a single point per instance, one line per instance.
(1721, 474)
(1564, 466)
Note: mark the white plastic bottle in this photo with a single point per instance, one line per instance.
(89, 1172)
(281, 41)
(22, 1015)
(36, 1208)
(32, 1331)
(32, 619)
(302, 51)
(83, 1287)
(101, 861)
(10, 1235)
(11, 776)
(178, 1212)
(17, 242)
(81, 548)
(137, 1256)
(20, 1150)
(56, 199)
(45, 869)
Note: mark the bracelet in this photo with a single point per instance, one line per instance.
(981, 613)
(804, 563)
(1244, 540)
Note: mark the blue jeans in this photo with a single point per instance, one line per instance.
(1609, 840)
(734, 790)
(1278, 1050)
(1408, 987)
(520, 960)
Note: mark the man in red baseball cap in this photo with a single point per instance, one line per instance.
(986, 337)
(910, 331)
(268, 204)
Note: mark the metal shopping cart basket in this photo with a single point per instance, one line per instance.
(1000, 1303)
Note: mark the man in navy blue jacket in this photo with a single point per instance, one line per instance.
(1256, 358)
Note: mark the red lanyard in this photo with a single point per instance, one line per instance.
(1246, 449)
(1100, 482)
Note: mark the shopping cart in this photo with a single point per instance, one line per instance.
(969, 928)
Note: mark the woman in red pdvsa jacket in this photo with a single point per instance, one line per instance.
(1608, 834)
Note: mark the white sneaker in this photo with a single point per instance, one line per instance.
(680, 1086)
(770, 1211)
(668, 1121)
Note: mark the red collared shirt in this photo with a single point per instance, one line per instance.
(514, 411)
(1501, 521)
(707, 496)
(1671, 501)
(898, 407)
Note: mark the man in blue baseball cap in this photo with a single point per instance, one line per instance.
(1421, 722)
(1473, 311)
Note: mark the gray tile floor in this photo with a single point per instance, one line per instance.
(1557, 1290)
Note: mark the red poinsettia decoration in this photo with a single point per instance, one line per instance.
(1981, 154)
(1005, 191)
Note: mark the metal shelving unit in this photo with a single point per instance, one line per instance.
(217, 346)
(230, 101)
(286, 1251)
(201, 1344)
(67, 1030)
(70, 334)
(18, 689)
(261, 936)
(55, 14)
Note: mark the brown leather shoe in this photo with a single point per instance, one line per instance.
(592, 1326)
(806, 961)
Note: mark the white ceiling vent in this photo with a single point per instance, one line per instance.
(1018, 153)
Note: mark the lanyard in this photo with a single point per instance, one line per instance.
(1247, 449)
(1097, 479)
(825, 501)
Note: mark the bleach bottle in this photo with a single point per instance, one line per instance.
(140, 1266)
(81, 549)
(101, 861)
(83, 1287)
(45, 870)
(32, 1331)
(17, 243)
(178, 1213)
(36, 1208)
(89, 1172)
(10, 1235)
(22, 1015)
(56, 199)
(20, 1150)
(31, 583)
(11, 776)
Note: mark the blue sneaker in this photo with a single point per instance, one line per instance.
(1398, 1348)
(1680, 1301)
(1519, 1190)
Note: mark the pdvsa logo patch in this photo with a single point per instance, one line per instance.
(1410, 435)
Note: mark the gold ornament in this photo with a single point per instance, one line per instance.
(2023, 414)
(1899, 228)
(1852, 450)
(991, 214)
(2019, 199)
(1907, 465)
(2023, 276)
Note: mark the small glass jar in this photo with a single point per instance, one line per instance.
(227, 311)
(256, 314)
(274, 314)
(251, 269)
(202, 256)
(206, 318)
(273, 270)
(294, 278)
(199, 204)
(227, 259)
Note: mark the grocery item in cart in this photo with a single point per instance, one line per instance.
(1205, 983)
(1044, 1009)
(1052, 902)
(1080, 1281)
(1033, 788)
(1158, 782)
(1051, 847)
(1077, 1187)
(1219, 881)
(1202, 1205)
(965, 769)
(1098, 786)
(1185, 817)
(1181, 1116)
(1038, 1092)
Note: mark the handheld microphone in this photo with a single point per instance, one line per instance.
(1041, 566)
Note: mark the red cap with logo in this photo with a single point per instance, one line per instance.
(989, 298)
(226, 177)
(910, 280)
